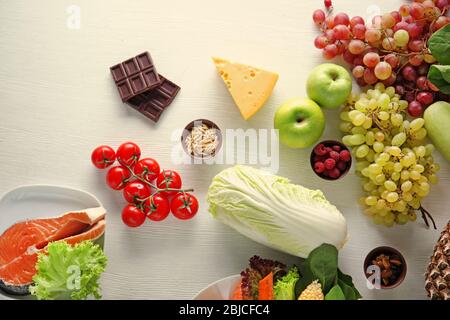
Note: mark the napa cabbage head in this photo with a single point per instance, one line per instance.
(274, 212)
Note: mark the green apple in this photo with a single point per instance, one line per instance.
(437, 120)
(329, 85)
(300, 122)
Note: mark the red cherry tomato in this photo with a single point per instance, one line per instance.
(132, 216)
(128, 154)
(103, 156)
(157, 208)
(184, 206)
(136, 190)
(147, 168)
(117, 177)
(168, 179)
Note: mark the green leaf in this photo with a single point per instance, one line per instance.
(440, 77)
(335, 294)
(439, 45)
(346, 283)
(306, 277)
(323, 262)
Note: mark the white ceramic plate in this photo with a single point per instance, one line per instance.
(40, 201)
(219, 290)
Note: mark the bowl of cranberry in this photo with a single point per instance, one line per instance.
(331, 160)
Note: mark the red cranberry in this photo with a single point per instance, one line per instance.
(319, 167)
(334, 155)
(335, 173)
(341, 165)
(329, 163)
(345, 155)
(320, 150)
(336, 148)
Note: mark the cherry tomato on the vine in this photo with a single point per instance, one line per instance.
(168, 179)
(128, 154)
(147, 168)
(117, 177)
(103, 156)
(157, 208)
(184, 206)
(136, 190)
(132, 216)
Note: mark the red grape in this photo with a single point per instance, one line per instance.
(356, 46)
(409, 73)
(348, 57)
(416, 10)
(422, 83)
(330, 51)
(359, 31)
(399, 89)
(423, 69)
(414, 30)
(327, 4)
(341, 32)
(432, 86)
(415, 45)
(404, 10)
(373, 35)
(416, 60)
(425, 98)
(329, 21)
(341, 19)
(391, 80)
(330, 35)
(441, 4)
(415, 109)
(383, 70)
(320, 42)
(396, 15)
(358, 71)
(369, 76)
(318, 16)
(356, 20)
(392, 59)
(371, 59)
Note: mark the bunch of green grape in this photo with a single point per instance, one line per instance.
(392, 158)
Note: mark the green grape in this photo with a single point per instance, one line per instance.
(361, 165)
(375, 168)
(419, 168)
(414, 175)
(379, 136)
(392, 196)
(379, 86)
(381, 204)
(378, 146)
(399, 139)
(398, 167)
(345, 127)
(406, 186)
(383, 115)
(371, 201)
(396, 119)
(344, 116)
(367, 123)
(390, 185)
(358, 130)
(407, 196)
(404, 175)
(383, 102)
(370, 156)
(429, 149)
(419, 134)
(365, 172)
(433, 178)
(416, 124)
(362, 151)
(388, 220)
(346, 140)
(402, 219)
(357, 139)
(420, 151)
(435, 167)
(394, 151)
(395, 176)
(369, 186)
(412, 216)
(424, 186)
(390, 91)
(401, 37)
(370, 138)
(380, 178)
(377, 219)
(373, 104)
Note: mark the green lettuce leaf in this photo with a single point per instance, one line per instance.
(439, 45)
(69, 272)
(440, 77)
(284, 289)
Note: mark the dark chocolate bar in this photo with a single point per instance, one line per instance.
(135, 76)
(152, 103)
(142, 88)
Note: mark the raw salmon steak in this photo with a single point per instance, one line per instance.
(21, 243)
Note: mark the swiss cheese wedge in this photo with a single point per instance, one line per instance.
(250, 87)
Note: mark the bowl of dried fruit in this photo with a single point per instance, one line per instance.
(390, 264)
(330, 160)
(201, 139)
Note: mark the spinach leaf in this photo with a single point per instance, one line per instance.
(335, 294)
(440, 77)
(323, 262)
(306, 277)
(439, 45)
(346, 283)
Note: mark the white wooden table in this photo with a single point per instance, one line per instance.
(58, 101)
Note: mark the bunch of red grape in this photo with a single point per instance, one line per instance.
(149, 192)
(391, 49)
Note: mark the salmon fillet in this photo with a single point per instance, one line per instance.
(21, 243)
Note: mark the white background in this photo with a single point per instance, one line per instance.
(58, 101)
